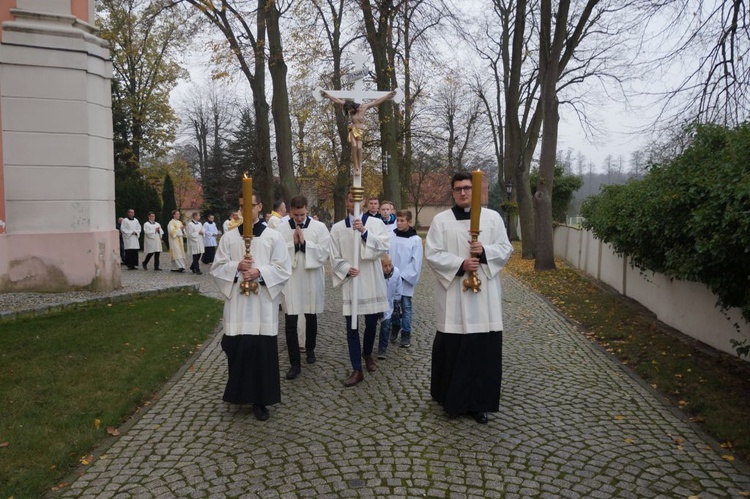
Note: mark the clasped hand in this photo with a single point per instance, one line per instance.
(299, 236)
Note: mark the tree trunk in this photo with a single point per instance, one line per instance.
(280, 104)
(545, 254)
(262, 123)
(550, 51)
(378, 39)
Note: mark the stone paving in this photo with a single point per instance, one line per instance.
(572, 423)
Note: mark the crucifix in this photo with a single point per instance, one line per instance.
(354, 105)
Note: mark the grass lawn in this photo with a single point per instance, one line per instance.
(712, 388)
(66, 378)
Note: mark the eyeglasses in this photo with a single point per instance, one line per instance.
(459, 190)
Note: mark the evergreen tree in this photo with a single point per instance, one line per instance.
(168, 201)
(241, 158)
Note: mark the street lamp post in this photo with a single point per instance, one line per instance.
(508, 192)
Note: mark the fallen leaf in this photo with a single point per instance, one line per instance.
(618, 417)
(728, 457)
(4, 444)
(726, 444)
(682, 403)
(629, 441)
(86, 460)
(745, 493)
(113, 431)
(59, 486)
(97, 423)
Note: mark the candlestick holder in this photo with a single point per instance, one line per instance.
(473, 282)
(247, 287)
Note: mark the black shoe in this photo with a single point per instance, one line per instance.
(181, 270)
(158, 270)
(394, 336)
(405, 343)
(197, 272)
(311, 357)
(144, 266)
(177, 270)
(260, 411)
(381, 355)
(480, 417)
(132, 268)
(293, 372)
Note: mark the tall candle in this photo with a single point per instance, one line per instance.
(247, 204)
(476, 200)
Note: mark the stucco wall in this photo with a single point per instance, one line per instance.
(686, 306)
(57, 150)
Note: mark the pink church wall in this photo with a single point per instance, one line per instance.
(80, 9)
(60, 262)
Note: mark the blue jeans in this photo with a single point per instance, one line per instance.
(385, 334)
(401, 318)
(368, 341)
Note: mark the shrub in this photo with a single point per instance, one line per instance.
(688, 218)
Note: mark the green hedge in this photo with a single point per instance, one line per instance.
(689, 218)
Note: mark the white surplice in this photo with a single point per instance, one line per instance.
(406, 255)
(194, 238)
(130, 230)
(151, 238)
(210, 231)
(446, 247)
(256, 314)
(371, 289)
(305, 292)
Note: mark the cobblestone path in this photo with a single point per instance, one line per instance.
(572, 423)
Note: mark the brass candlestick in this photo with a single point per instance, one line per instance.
(248, 287)
(473, 281)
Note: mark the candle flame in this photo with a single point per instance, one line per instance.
(245, 175)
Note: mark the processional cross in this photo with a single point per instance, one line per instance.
(354, 106)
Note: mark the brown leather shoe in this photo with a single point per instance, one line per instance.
(370, 363)
(354, 378)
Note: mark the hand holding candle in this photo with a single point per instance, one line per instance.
(476, 200)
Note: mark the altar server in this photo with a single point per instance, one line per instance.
(195, 242)
(371, 242)
(251, 321)
(467, 350)
(176, 233)
(406, 253)
(130, 228)
(152, 241)
(308, 243)
(210, 231)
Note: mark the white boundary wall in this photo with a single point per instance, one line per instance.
(686, 306)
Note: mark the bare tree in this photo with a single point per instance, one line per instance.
(712, 38)
(457, 111)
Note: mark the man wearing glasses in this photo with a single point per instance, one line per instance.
(468, 345)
